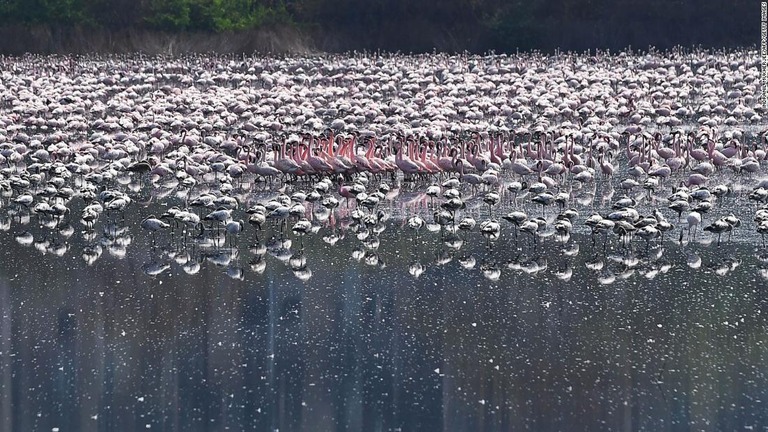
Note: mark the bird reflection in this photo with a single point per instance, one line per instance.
(155, 268)
(565, 273)
(192, 249)
(235, 272)
(257, 264)
(491, 270)
(416, 269)
(216, 241)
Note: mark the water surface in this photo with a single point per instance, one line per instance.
(346, 337)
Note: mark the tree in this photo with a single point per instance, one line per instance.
(168, 14)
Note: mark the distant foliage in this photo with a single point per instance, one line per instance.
(65, 12)
(212, 15)
(170, 15)
(424, 25)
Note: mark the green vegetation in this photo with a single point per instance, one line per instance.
(422, 25)
(168, 15)
(212, 15)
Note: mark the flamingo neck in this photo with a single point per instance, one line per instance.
(351, 148)
(297, 155)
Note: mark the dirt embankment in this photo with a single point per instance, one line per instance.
(411, 36)
(17, 40)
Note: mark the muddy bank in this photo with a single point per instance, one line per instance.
(424, 37)
(17, 40)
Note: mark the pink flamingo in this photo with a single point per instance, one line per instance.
(379, 164)
(301, 158)
(718, 159)
(341, 154)
(284, 164)
(432, 167)
(478, 160)
(361, 162)
(347, 192)
(378, 152)
(731, 148)
(495, 145)
(407, 166)
(446, 158)
(259, 167)
(677, 161)
(696, 179)
(663, 152)
(605, 167)
(338, 164)
(698, 154)
(317, 163)
(656, 170)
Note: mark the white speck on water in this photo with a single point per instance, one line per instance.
(437, 371)
(474, 324)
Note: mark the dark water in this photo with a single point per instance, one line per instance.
(529, 338)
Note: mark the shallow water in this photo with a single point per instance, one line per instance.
(376, 327)
(540, 336)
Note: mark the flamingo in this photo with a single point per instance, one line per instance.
(152, 224)
(407, 166)
(694, 220)
(719, 227)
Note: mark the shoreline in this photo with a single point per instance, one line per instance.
(292, 39)
(46, 39)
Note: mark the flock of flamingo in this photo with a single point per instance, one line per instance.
(623, 148)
